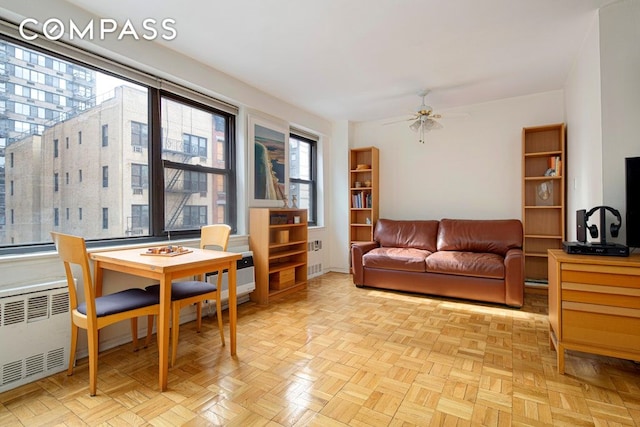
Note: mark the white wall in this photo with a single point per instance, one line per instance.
(620, 73)
(472, 168)
(584, 130)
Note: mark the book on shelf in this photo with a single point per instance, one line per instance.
(361, 199)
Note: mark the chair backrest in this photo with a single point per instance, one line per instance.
(215, 235)
(73, 251)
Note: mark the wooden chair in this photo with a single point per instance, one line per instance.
(185, 293)
(97, 312)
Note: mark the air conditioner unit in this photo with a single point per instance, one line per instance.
(245, 278)
(35, 332)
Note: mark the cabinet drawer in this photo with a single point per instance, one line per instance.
(616, 296)
(601, 275)
(601, 326)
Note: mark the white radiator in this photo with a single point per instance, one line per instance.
(35, 332)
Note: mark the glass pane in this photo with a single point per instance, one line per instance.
(81, 124)
(192, 136)
(299, 159)
(193, 199)
(304, 195)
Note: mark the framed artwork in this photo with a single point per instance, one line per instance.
(268, 162)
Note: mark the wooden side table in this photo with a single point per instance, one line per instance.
(594, 305)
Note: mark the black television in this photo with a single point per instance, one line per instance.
(632, 183)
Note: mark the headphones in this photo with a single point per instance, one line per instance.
(615, 226)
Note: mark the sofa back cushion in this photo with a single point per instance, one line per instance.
(495, 236)
(406, 234)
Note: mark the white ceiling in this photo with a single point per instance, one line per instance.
(368, 59)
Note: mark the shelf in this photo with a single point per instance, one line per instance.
(537, 254)
(542, 178)
(279, 251)
(543, 196)
(281, 245)
(363, 193)
(276, 226)
(285, 254)
(279, 266)
(543, 154)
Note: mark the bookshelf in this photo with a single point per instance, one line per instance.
(543, 196)
(278, 239)
(363, 193)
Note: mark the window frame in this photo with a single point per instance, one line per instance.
(156, 88)
(313, 182)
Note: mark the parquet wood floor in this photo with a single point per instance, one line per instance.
(335, 355)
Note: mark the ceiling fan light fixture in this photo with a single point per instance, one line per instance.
(415, 125)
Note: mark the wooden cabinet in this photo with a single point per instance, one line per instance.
(363, 193)
(278, 239)
(594, 305)
(543, 196)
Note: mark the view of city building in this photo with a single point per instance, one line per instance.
(74, 156)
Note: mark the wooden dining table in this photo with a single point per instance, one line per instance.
(165, 269)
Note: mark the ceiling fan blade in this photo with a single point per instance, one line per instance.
(399, 121)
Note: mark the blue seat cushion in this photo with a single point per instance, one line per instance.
(187, 289)
(119, 302)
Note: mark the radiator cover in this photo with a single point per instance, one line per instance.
(35, 332)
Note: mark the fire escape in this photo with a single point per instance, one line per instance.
(175, 183)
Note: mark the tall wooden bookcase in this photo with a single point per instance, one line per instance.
(363, 193)
(278, 239)
(543, 196)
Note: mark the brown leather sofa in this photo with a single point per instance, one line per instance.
(472, 259)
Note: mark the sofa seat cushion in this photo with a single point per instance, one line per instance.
(405, 259)
(466, 264)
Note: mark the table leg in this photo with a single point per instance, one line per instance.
(163, 331)
(233, 306)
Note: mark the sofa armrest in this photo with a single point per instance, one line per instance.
(514, 277)
(357, 251)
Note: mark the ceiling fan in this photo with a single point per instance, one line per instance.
(424, 120)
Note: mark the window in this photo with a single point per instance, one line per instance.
(139, 134)
(105, 135)
(302, 174)
(195, 182)
(194, 145)
(188, 141)
(105, 176)
(139, 176)
(139, 217)
(198, 176)
(195, 216)
(105, 218)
